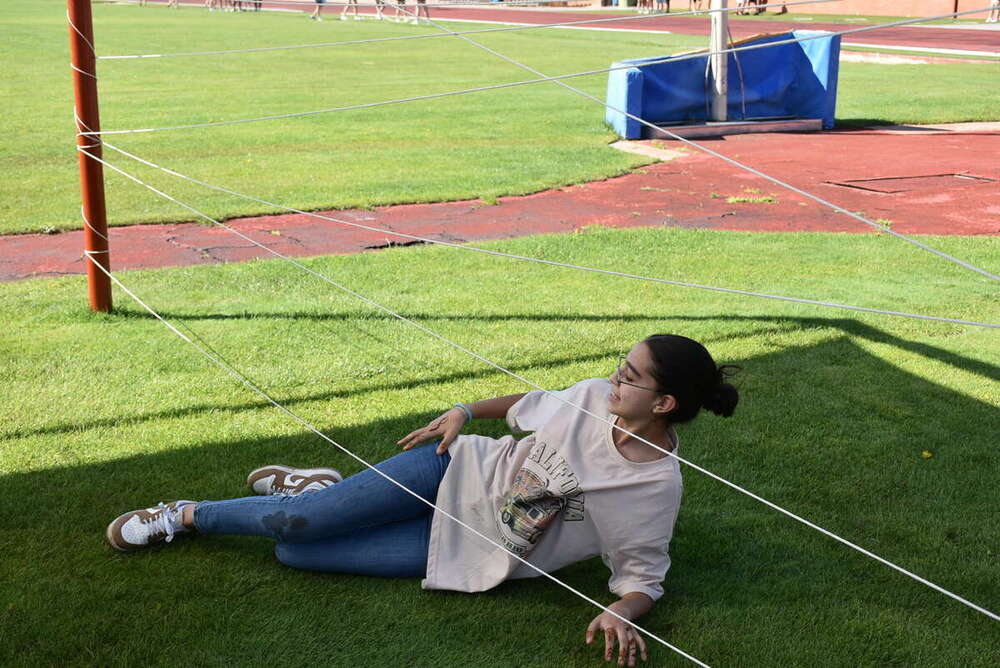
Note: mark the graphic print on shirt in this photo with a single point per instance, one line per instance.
(544, 485)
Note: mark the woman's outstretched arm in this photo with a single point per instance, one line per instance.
(449, 424)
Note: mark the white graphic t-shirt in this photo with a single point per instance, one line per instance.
(557, 496)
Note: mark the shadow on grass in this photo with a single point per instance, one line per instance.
(852, 125)
(829, 430)
(779, 324)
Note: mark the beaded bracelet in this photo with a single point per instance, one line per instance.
(465, 409)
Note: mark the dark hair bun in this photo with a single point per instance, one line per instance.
(723, 399)
(682, 367)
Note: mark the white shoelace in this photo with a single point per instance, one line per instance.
(164, 521)
(297, 490)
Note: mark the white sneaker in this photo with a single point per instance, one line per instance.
(279, 480)
(147, 526)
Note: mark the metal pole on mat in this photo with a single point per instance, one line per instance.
(95, 227)
(719, 42)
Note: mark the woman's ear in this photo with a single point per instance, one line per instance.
(665, 404)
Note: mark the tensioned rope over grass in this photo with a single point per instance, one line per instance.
(216, 359)
(560, 77)
(466, 247)
(533, 26)
(556, 79)
(496, 366)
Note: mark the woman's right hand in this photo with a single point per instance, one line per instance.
(446, 427)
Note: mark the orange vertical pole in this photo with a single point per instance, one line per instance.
(95, 225)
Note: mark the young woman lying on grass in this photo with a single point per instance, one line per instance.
(573, 488)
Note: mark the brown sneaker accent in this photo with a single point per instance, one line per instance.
(141, 528)
(287, 481)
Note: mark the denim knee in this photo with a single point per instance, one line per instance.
(288, 555)
(398, 549)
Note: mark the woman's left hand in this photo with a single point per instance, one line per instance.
(445, 427)
(630, 643)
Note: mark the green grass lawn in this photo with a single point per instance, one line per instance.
(103, 414)
(106, 413)
(483, 145)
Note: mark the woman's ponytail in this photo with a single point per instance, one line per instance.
(683, 368)
(722, 399)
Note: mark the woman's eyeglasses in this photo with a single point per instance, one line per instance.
(620, 371)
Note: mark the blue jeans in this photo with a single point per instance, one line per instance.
(364, 525)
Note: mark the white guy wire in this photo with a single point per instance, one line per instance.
(554, 263)
(496, 366)
(222, 364)
(84, 72)
(69, 20)
(736, 163)
(93, 229)
(534, 26)
(560, 77)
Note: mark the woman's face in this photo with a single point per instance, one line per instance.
(633, 391)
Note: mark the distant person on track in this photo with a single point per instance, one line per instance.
(173, 3)
(316, 15)
(421, 9)
(644, 6)
(351, 4)
(694, 6)
(400, 11)
(662, 6)
(994, 15)
(380, 9)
